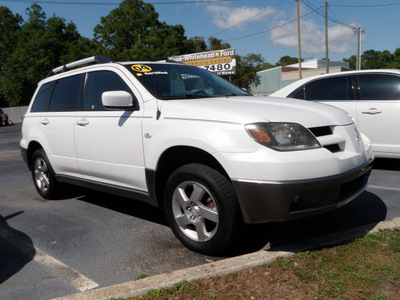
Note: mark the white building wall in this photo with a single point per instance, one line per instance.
(320, 64)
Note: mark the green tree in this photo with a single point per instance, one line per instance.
(396, 59)
(370, 59)
(246, 70)
(264, 66)
(42, 45)
(287, 60)
(10, 28)
(385, 60)
(352, 60)
(199, 45)
(217, 44)
(132, 31)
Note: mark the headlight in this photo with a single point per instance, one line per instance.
(283, 136)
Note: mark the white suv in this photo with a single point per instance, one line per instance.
(178, 137)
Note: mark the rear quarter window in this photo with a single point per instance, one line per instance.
(42, 99)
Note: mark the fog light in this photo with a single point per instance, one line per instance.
(296, 199)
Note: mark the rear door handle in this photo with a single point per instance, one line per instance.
(372, 111)
(45, 122)
(82, 122)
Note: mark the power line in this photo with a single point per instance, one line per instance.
(246, 20)
(114, 3)
(316, 9)
(367, 5)
(269, 29)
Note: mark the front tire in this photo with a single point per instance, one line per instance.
(43, 175)
(202, 209)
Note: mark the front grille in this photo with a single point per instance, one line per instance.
(333, 148)
(325, 131)
(321, 131)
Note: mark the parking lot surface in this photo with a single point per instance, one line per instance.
(54, 248)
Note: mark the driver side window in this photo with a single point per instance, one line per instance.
(99, 82)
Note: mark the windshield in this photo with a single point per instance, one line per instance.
(174, 81)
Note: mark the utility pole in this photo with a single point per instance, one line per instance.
(358, 63)
(298, 37)
(326, 38)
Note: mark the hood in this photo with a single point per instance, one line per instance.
(250, 109)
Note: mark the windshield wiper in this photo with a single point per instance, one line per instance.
(188, 96)
(173, 97)
(237, 94)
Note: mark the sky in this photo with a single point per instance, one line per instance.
(266, 27)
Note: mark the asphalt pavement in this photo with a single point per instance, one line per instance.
(88, 241)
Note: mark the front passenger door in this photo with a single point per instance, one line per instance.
(109, 142)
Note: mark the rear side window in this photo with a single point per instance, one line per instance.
(99, 82)
(67, 94)
(379, 87)
(42, 99)
(334, 88)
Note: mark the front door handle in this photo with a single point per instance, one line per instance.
(82, 122)
(372, 111)
(45, 122)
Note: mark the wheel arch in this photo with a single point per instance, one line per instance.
(33, 146)
(175, 157)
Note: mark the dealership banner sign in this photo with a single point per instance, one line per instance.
(220, 62)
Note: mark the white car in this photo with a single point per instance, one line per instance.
(371, 97)
(178, 137)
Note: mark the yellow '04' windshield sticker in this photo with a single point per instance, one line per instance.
(141, 68)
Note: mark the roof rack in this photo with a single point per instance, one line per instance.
(99, 59)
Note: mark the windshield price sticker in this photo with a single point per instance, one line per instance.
(221, 69)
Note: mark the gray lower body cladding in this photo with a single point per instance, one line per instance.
(286, 200)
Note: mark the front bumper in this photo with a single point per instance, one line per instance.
(262, 201)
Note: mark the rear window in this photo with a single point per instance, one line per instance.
(379, 87)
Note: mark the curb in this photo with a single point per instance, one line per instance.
(229, 265)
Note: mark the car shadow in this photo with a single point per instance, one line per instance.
(360, 215)
(131, 207)
(16, 249)
(387, 164)
(366, 210)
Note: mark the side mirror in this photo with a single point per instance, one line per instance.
(117, 100)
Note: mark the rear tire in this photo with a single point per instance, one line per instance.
(202, 209)
(43, 176)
